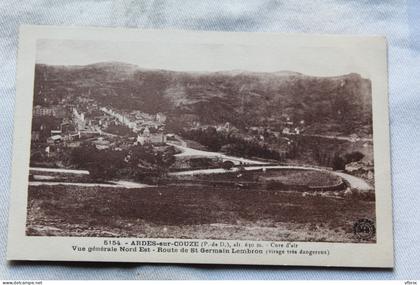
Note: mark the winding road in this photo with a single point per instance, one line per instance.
(353, 181)
(191, 152)
(115, 184)
(44, 179)
(60, 170)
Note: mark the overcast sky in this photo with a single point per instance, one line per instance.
(318, 60)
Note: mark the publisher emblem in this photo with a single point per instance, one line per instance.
(364, 229)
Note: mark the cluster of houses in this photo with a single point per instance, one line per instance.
(136, 120)
(279, 128)
(59, 126)
(149, 128)
(84, 118)
(53, 111)
(282, 129)
(224, 127)
(79, 119)
(361, 169)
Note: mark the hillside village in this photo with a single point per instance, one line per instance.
(65, 119)
(160, 152)
(58, 129)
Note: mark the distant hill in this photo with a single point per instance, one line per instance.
(241, 97)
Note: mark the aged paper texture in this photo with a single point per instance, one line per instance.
(201, 147)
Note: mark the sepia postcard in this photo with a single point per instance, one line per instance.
(201, 147)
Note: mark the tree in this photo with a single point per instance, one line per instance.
(101, 164)
(354, 156)
(338, 162)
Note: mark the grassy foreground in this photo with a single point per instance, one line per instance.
(195, 212)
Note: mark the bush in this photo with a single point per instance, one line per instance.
(137, 162)
(354, 156)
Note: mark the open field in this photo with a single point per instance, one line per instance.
(286, 176)
(195, 212)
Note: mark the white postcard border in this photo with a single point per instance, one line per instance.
(22, 247)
